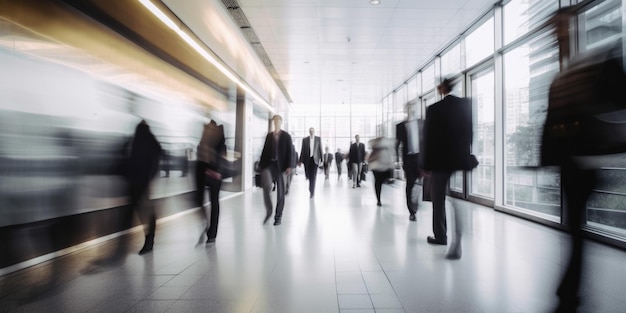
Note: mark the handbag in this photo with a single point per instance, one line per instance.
(211, 174)
(471, 163)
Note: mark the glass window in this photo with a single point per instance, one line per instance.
(521, 16)
(528, 72)
(451, 62)
(412, 88)
(327, 128)
(479, 44)
(601, 25)
(606, 207)
(311, 121)
(483, 105)
(400, 99)
(428, 78)
(456, 181)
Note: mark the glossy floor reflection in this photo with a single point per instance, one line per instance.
(336, 253)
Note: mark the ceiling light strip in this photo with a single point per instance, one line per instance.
(203, 52)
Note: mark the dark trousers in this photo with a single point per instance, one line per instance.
(338, 169)
(379, 179)
(411, 174)
(144, 208)
(326, 170)
(214, 186)
(439, 188)
(349, 170)
(311, 168)
(269, 174)
(578, 184)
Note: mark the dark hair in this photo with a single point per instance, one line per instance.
(446, 86)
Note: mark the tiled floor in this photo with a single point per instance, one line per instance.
(336, 253)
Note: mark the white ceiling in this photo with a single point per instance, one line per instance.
(330, 52)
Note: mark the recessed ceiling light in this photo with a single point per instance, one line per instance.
(374, 2)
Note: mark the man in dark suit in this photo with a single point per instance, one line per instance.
(328, 160)
(357, 156)
(338, 160)
(275, 160)
(408, 135)
(447, 147)
(311, 156)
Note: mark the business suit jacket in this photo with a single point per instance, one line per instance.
(305, 151)
(329, 159)
(357, 153)
(338, 158)
(285, 146)
(402, 139)
(448, 134)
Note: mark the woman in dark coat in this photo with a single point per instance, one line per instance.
(141, 167)
(211, 151)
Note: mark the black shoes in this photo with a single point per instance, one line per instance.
(412, 218)
(210, 240)
(379, 204)
(147, 247)
(276, 222)
(358, 185)
(435, 241)
(267, 217)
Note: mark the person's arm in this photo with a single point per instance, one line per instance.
(301, 153)
(319, 148)
(398, 142)
(288, 152)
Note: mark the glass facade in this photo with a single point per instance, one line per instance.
(480, 43)
(483, 105)
(451, 62)
(508, 83)
(528, 71)
(337, 127)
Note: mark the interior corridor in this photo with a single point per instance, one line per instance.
(338, 252)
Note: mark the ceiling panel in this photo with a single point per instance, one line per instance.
(373, 49)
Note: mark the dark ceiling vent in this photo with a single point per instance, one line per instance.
(246, 29)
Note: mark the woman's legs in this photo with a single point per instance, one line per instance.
(379, 179)
(214, 193)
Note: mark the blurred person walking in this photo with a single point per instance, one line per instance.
(338, 161)
(381, 163)
(348, 167)
(311, 156)
(357, 157)
(328, 160)
(408, 136)
(447, 145)
(275, 160)
(210, 155)
(141, 167)
(580, 124)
